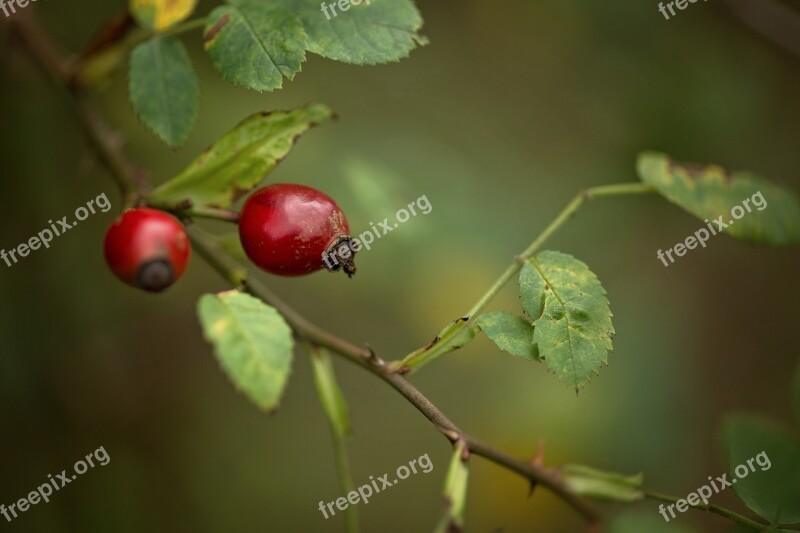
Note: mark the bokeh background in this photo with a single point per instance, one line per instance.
(512, 108)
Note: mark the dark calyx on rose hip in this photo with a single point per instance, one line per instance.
(293, 230)
(147, 249)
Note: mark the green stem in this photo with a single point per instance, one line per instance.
(345, 480)
(711, 508)
(420, 357)
(326, 385)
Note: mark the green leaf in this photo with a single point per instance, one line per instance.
(764, 465)
(252, 342)
(601, 485)
(329, 392)
(766, 214)
(455, 492)
(255, 45)
(368, 33)
(512, 334)
(161, 14)
(163, 88)
(570, 313)
(239, 160)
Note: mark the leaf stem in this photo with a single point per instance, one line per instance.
(418, 358)
(339, 425)
(711, 508)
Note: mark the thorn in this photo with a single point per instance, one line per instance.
(373, 357)
(537, 460)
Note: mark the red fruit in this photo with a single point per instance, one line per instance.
(147, 249)
(291, 230)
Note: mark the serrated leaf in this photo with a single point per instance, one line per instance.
(163, 88)
(766, 214)
(570, 314)
(328, 390)
(771, 487)
(601, 485)
(368, 33)
(252, 342)
(510, 333)
(239, 160)
(255, 45)
(161, 14)
(455, 493)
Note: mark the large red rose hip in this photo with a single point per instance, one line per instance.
(292, 230)
(147, 249)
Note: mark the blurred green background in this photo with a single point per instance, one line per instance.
(512, 108)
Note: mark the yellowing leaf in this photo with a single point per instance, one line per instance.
(252, 342)
(161, 14)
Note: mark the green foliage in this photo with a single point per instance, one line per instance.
(239, 160)
(455, 492)
(773, 493)
(570, 314)
(601, 485)
(328, 390)
(512, 334)
(163, 88)
(255, 45)
(710, 191)
(252, 342)
(367, 34)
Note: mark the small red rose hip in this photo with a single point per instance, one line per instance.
(292, 230)
(147, 249)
